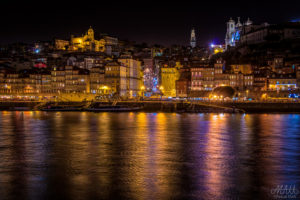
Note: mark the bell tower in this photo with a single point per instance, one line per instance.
(230, 32)
(193, 38)
(90, 34)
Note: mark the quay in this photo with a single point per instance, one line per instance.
(165, 106)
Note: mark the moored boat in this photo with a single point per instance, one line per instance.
(114, 109)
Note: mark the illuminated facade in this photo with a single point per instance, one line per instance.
(282, 82)
(193, 38)
(61, 44)
(134, 75)
(85, 43)
(183, 83)
(169, 76)
(97, 80)
(116, 79)
(217, 48)
(234, 30)
(202, 78)
(244, 68)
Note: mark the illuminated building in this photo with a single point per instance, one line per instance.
(46, 83)
(116, 79)
(134, 75)
(97, 80)
(111, 45)
(85, 43)
(243, 68)
(58, 79)
(219, 67)
(259, 82)
(248, 81)
(220, 79)
(61, 44)
(183, 83)
(113, 79)
(255, 34)
(76, 80)
(196, 78)
(193, 38)
(282, 82)
(202, 78)
(233, 33)
(249, 33)
(20, 83)
(236, 81)
(169, 76)
(215, 49)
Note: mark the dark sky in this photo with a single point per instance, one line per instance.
(161, 22)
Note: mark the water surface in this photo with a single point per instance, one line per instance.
(81, 155)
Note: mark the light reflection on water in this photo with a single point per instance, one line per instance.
(78, 155)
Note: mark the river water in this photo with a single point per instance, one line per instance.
(81, 155)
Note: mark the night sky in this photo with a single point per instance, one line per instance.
(154, 22)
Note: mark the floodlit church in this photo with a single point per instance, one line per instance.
(85, 43)
(234, 31)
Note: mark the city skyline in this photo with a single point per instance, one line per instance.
(157, 23)
(97, 103)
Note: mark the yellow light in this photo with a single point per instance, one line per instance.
(161, 87)
(142, 87)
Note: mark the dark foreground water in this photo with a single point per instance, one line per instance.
(79, 155)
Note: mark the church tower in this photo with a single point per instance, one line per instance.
(193, 38)
(90, 34)
(229, 41)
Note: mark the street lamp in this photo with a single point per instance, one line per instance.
(142, 89)
(161, 89)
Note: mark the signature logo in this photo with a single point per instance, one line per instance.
(285, 192)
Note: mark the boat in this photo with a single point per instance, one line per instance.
(114, 109)
(20, 108)
(61, 108)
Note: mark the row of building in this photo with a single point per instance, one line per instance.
(250, 33)
(108, 66)
(197, 80)
(122, 77)
(129, 77)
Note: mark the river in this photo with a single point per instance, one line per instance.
(82, 155)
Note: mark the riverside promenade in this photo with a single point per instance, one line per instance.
(171, 106)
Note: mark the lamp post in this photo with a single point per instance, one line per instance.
(142, 91)
(104, 88)
(161, 89)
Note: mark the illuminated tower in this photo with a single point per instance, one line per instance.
(239, 24)
(229, 38)
(90, 34)
(193, 38)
